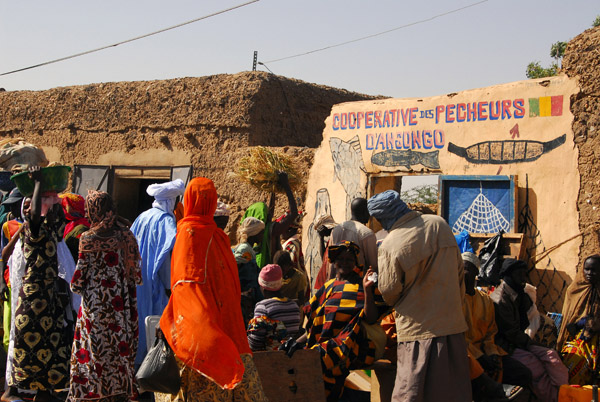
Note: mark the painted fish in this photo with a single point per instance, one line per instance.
(509, 151)
(347, 163)
(406, 158)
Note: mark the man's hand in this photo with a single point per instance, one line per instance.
(283, 179)
(290, 346)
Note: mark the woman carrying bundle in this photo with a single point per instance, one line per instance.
(270, 244)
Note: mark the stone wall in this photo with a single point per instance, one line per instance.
(582, 61)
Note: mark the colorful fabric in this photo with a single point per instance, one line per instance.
(74, 208)
(387, 207)
(297, 223)
(244, 253)
(333, 251)
(9, 229)
(581, 358)
(294, 247)
(103, 219)
(41, 344)
(205, 294)
(334, 316)
(581, 300)
(198, 388)
(260, 210)
(276, 309)
(265, 333)
(154, 231)
(106, 334)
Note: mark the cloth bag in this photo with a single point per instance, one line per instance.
(159, 371)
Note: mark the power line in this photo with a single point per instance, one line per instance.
(379, 33)
(130, 40)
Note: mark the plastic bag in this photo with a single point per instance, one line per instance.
(463, 240)
(491, 260)
(159, 371)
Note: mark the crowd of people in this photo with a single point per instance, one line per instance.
(80, 282)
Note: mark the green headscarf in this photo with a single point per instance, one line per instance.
(260, 210)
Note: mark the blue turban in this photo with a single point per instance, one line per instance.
(387, 208)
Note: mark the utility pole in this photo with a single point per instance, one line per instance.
(255, 60)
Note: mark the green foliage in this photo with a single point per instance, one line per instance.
(426, 194)
(535, 70)
(596, 22)
(557, 50)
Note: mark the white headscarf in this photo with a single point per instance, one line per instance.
(165, 194)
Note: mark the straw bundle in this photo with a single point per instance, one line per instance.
(261, 166)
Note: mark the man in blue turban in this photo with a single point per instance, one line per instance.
(421, 275)
(155, 231)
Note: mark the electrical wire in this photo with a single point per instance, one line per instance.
(130, 40)
(378, 33)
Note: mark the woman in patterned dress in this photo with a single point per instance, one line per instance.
(41, 345)
(336, 317)
(106, 334)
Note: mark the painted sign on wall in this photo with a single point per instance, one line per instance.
(518, 129)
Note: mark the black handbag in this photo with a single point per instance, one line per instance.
(159, 371)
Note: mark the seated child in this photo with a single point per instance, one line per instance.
(275, 317)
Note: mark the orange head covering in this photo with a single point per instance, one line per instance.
(203, 321)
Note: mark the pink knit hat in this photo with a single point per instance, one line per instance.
(271, 277)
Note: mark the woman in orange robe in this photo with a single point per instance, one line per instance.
(203, 320)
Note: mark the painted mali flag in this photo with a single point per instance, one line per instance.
(546, 106)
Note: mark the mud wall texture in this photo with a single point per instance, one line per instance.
(582, 61)
(208, 122)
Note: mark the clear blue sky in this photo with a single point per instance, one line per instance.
(487, 44)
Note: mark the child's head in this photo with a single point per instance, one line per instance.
(284, 260)
(270, 280)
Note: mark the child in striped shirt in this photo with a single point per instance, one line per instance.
(275, 317)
